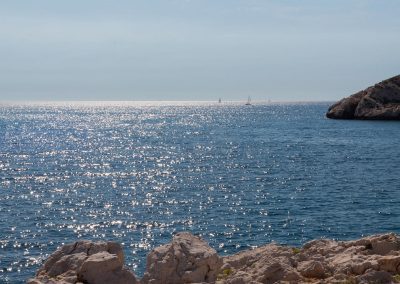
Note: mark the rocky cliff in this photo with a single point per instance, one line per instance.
(379, 102)
(188, 259)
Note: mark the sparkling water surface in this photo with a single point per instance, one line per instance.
(239, 176)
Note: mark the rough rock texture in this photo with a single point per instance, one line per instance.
(85, 262)
(188, 259)
(374, 259)
(381, 101)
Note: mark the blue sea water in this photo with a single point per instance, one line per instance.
(239, 176)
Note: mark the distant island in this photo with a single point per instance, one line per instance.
(378, 102)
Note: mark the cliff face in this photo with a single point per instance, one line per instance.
(189, 259)
(379, 102)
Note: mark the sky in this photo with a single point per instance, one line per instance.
(283, 50)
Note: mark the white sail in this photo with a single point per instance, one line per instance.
(248, 101)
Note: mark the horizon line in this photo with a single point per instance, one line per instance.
(161, 101)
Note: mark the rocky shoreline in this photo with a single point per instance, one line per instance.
(378, 102)
(189, 259)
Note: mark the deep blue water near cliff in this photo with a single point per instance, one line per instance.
(238, 176)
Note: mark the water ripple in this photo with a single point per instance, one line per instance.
(237, 176)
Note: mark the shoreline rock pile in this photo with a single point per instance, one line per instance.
(189, 259)
(85, 262)
(374, 259)
(378, 102)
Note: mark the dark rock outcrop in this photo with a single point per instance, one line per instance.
(379, 102)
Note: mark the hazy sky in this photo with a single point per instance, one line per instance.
(195, 49)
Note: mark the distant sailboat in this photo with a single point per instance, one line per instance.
(219, 101)
(248, 101)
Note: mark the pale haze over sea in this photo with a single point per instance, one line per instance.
(195, 50)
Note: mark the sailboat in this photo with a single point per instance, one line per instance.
(248, 102)
(219, 101)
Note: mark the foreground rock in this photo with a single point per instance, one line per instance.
(188, 259)
(381, 101)
(85, 262)
(374, 259)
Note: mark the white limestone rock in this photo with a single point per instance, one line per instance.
(87, 262)
(187, 259)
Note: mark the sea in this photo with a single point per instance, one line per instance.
(238, 176)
